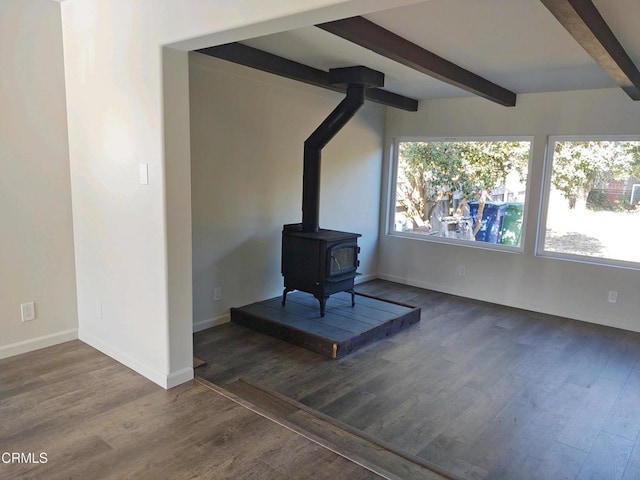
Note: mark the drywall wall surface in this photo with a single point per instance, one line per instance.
(121, 115)
(247, 134)
(178, 207)
(36, 244)
(570, 289)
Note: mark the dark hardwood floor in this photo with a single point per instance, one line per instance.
(483, 391)
(96, 419)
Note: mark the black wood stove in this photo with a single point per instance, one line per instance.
(314, 260)
(321, 263)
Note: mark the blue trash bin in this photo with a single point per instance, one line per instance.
(491, 223)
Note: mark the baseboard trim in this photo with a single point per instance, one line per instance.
(178, 378)
(37, 343)
(365, 278)
(414, 283)
(534, 307)
(436, 287)
(165, 380)
(211, 322)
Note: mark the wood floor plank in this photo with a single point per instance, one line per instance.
(110, 423)
(632, 470)
(448, 452)
(379, 456)
(560, 461)
(512, 464)
(586, 424)
(550, 413)
(621, 362)
(608, 458)
(624, 420)
(487, 404)
(468, 383)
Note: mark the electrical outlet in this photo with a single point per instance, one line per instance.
(28, 311)
(217, 294)
(613, 296)
(99, 311)
(462, 270)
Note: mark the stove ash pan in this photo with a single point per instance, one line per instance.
(321, 263)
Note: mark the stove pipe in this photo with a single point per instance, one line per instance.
(357, 80)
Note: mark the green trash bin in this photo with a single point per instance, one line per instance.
(512, 224)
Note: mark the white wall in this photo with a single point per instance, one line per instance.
(36, 244)
(125, 100)
(247, 135)
(574, 290)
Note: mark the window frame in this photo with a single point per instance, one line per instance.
(546, 195)
(393, 186)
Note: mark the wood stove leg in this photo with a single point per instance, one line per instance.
(323, 303)
(353, 298)
(284, 295)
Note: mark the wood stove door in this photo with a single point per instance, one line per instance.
(342, 259)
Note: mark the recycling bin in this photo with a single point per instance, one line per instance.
(512, 224)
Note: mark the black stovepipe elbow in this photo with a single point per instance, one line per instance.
(313, 146)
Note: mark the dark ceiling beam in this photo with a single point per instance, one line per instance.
(583, 21)
(268, 62)
(369, 35)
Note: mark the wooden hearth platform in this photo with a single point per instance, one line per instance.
(341, 331)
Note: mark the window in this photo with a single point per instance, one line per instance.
(592, 194)
(461, 190)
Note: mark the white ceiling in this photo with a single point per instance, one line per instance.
(517, 44)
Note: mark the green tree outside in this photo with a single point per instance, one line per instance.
(579, 167)
(430, 172)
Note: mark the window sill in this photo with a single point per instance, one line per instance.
(457, 242)
(588, 260)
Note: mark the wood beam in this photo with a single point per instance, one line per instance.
(268, 62)
(369, 35)
(583, 21)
